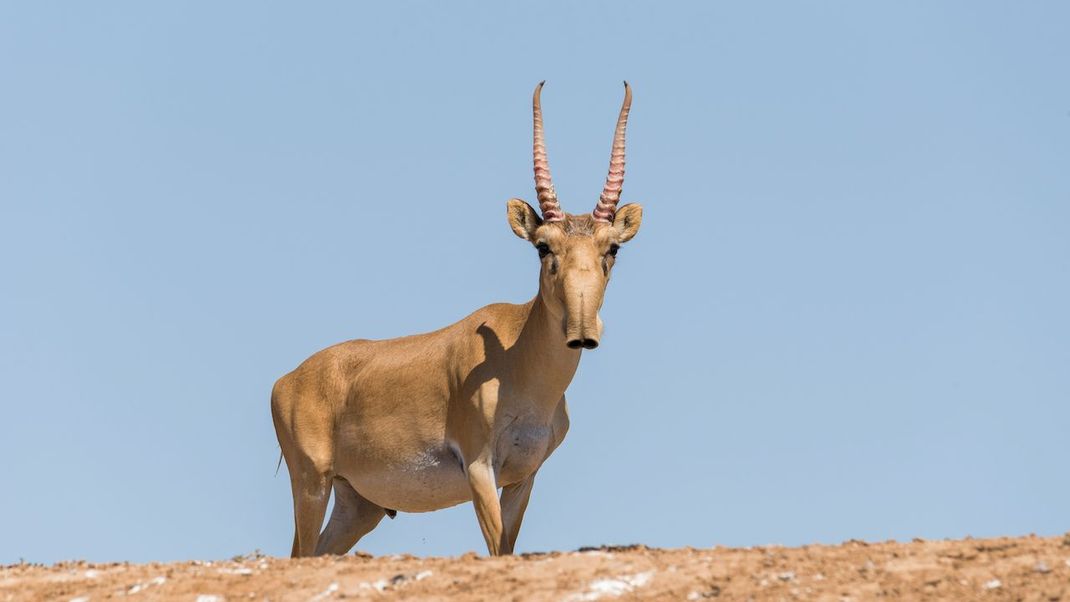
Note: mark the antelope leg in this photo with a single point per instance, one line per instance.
(514, 502)
(353, 517)
(481, 479)
(311, 492)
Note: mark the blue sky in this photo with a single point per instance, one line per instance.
(844, 316)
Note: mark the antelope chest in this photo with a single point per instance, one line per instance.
(522, 446)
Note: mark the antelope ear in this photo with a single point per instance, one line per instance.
(522, 218)
(626, 221)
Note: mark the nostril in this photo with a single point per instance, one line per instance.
(589, 343)
(574, 344)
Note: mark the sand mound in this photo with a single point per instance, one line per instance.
(1023, 568)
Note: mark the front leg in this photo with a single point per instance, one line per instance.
(482, 480)
(514, 502)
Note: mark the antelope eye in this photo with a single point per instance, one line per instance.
(613, 248)
(543, 249)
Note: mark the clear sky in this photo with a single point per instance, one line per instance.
(845, 315)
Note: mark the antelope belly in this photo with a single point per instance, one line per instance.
(428, 480)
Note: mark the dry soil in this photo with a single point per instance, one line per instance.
(1022, 568)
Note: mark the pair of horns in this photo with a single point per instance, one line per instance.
(544, 185)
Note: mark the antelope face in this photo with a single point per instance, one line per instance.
(577, 251)
(577, 255)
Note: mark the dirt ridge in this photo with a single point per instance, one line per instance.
(1029, 568)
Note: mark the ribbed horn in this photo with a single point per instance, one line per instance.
(607, 202)
(544, 184)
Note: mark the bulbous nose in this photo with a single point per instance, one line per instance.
(585, 343)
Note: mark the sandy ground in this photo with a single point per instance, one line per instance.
(1023, 568)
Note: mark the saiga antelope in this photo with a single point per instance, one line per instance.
(429, 421)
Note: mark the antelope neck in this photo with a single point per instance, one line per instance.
(541, 344)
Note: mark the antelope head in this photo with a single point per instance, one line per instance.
(577, 251)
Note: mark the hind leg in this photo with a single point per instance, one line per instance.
(353, 517)
(311, 491)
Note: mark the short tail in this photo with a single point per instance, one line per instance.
(279, 465)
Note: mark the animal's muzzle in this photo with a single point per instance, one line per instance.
(585, 343)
